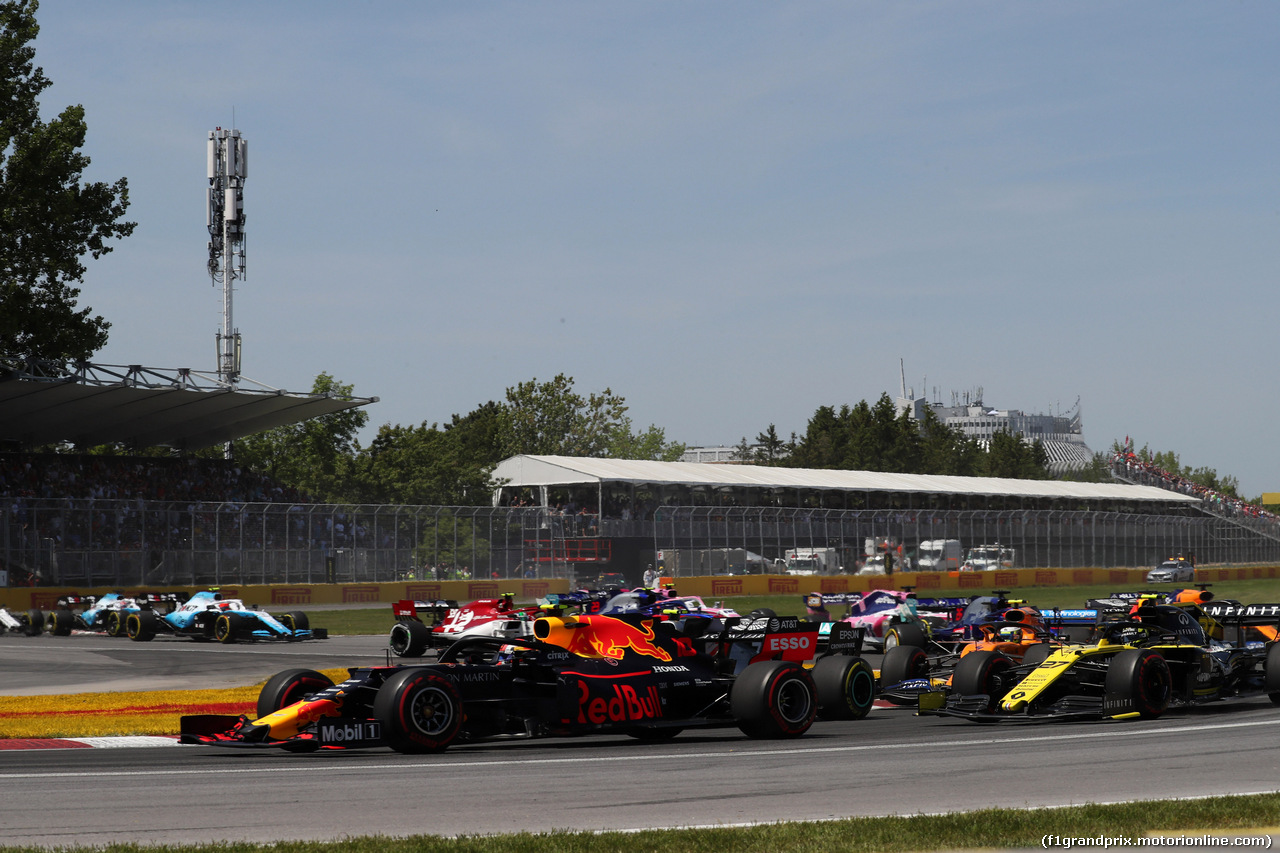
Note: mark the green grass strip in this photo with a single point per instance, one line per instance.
(1222, 817)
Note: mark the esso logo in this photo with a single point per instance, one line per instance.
(785, 644)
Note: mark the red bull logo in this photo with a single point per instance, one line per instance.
(621, 703)
(600, 637)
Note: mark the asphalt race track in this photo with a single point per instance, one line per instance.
(890, 763)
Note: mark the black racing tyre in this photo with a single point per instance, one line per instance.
(1271, 674)
(901, 663)
(292, 685)
(227, 626)
(409, 639)
(774, 699)
(653, 734)
(846, 687)
(35, 623)
(141, 626)
(59, 622)
(982, 672)
(905, 634)
(761, 613)
(114, 623)
(1036, 654)
(1139, 680)
(295, 620)
(420, 710)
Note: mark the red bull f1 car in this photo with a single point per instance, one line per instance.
(642, 676)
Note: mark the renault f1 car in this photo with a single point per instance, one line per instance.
(1141, 663)
(646, 677)
(206, 615)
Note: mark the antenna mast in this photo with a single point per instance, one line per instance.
(228, 168)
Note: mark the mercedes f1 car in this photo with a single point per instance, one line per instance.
(1141, 663)
(646, 677)
(206, 615)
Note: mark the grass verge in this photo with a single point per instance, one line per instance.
(1225, 817)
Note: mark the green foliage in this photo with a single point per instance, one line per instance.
(877, 438)
(49, 219)
(552, 419)
(316, 457)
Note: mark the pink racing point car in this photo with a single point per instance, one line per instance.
(887, 616)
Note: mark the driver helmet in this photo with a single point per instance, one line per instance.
(1010, 633)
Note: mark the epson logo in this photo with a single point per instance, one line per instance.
(348, 731)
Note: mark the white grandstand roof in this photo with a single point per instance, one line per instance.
(575, 470)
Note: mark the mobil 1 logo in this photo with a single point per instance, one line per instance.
(340, 731)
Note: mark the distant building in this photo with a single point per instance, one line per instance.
(710, 454)
(1061, 435)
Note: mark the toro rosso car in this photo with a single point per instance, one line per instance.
(641, 676)
(208, 616)
(1141, 663)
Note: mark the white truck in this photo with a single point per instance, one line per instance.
(983, 558)
(812, 561)
(939, 555)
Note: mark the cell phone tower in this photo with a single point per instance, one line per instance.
(228, 167)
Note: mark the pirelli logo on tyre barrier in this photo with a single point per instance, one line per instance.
(45, 598)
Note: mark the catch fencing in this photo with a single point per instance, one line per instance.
(1036, 538)
(120, 543)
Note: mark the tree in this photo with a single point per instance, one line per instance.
(49, 219)
(551, 418)
(316, 457)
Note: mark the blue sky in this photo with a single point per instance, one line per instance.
(728, 213)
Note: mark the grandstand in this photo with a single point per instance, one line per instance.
(98, 521)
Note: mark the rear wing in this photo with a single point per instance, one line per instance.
(1230, 613)
(407, 610)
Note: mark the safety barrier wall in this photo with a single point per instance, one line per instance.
(286, 596)
(949, 582)
(373, 594)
